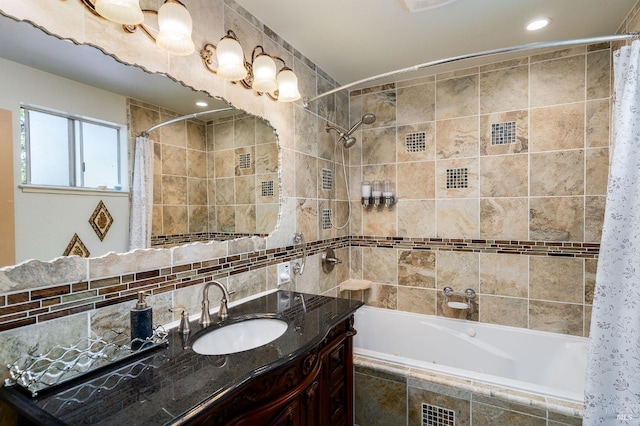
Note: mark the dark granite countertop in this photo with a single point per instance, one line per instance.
(168, 385)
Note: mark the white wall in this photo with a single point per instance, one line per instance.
(46, 222)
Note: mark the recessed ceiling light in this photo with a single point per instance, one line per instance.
(538, 24)
(202, 104)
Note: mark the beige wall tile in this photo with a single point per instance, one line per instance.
(224, 163)
(598, 74)
(594, 218)
(197, 191)
(458, 270)
(457, 138)
(245, 187)
(417, 300)
(379, 146)
(504, 218)
(504, 176)
(414, 132)
(417, 268)
(590, 269)
(306, 176)
(521, 144)
(306, 133)
(196, 135)
(307, 218)
(174, 160)
(383, 105)
(504, 275)
(225, 191)
(379, 401)
(174, 190)
(557, 127)
(556, 219)
(198, 218)
(458, 219)
(223, 136)
(382, 296)
(557, 81)
(175, 219)
(380, 265)
(416, 180)
(416, 104)
(556, 279)
(557, 173)
(416, 218)
(597, 123)
(556, 317)
(504, 310)
(597, 171)
(197, 164)
(380, 222)
(504, 90)
(490, 415)
(457, 97)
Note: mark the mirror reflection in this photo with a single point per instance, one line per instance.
(215, 175)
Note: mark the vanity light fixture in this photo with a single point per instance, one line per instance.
(125, 12)
(174, 22)
(260, 74)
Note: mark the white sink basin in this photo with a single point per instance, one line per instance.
(240, 336)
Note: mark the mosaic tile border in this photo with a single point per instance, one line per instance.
(27, 307)
(158, 241)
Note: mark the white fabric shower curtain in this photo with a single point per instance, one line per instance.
(612, 391)
(141, 195)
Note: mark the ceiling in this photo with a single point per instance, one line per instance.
(356, 39)
(348, 39)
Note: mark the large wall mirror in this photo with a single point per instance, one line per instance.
(215, 175)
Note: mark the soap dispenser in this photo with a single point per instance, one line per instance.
(141, 322)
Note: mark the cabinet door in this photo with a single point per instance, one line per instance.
(310, 404)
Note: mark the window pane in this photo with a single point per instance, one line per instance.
(100, 145)
(48, 149)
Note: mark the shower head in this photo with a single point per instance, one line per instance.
(366, 119)
(349, 141)
(345, 137)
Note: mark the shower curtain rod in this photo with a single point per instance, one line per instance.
(520, 48)
(184, 117)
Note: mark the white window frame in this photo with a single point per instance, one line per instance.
(75, 182)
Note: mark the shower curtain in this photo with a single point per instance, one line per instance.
(612, 390)
(141, 195)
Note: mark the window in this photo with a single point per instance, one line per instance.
(61, 150)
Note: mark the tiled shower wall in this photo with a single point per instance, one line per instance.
(511, 153)
(200, 188)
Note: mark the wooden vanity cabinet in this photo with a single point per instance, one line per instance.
(313, 389)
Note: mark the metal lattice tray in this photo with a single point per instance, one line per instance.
(64, 363)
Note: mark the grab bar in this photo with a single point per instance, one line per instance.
(298, 239)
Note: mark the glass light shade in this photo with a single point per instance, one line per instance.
(230, 60)
(125, 12)
(264, 74)
(175, 29)
(287, 86)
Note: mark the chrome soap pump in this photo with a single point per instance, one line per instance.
(141, 322)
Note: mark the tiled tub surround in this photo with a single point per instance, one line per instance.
(541, 372)
(514, 150)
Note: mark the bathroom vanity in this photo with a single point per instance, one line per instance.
(304, 377)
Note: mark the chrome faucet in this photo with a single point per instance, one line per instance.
(223, 313)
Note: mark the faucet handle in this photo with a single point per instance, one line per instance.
(184, 326)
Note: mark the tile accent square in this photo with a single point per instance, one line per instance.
(327, 179)
(457, 178)
(416, 142)
(267, 188)
(326, 218)
(503, 133)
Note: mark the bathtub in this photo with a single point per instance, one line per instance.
(547, 366)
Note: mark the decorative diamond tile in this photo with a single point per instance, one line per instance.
(101, 220)
(76, 247)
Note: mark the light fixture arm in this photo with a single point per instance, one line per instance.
(90, 4)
